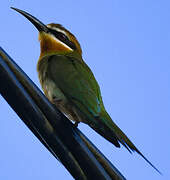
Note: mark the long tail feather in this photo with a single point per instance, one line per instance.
(118, 134)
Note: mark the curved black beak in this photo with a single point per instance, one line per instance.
(38, 24)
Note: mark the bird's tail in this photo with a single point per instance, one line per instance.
(115, 135)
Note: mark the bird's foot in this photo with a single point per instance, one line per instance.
(76, 124)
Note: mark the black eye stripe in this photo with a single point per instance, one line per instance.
(59, 35)
(62, 37)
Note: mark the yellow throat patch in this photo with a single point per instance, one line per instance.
(49, 45)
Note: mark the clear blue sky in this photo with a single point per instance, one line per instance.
(126, 44)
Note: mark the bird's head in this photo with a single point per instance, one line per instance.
(54, 38)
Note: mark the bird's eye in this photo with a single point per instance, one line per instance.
(59, 35)
(63, 36)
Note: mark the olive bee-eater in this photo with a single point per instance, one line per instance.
(69, 83)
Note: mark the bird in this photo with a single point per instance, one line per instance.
(70, 85)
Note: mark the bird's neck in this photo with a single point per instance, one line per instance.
(48, 48)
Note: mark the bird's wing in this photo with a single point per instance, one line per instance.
(79, 85)
(77, 82)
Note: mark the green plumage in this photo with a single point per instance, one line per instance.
(78, 84)
(69, 83)
(82, 93)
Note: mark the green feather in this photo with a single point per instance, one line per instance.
(78, 84)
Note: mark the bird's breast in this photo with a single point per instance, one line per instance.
(50, 88)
